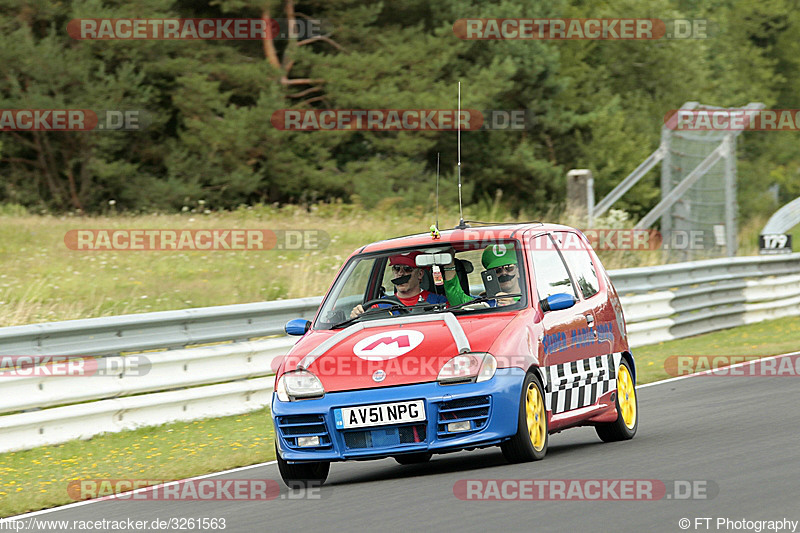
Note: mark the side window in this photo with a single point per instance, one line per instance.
(352, 292)
(579, 262)
(548, 269)
(357, 280)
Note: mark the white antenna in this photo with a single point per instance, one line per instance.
(437, 190)
(458, 120)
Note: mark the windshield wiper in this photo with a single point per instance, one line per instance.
(394, 307)
(480, 299)
(346, 322)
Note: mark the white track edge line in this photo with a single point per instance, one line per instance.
(720, 369)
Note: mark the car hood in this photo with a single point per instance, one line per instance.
(390, 352)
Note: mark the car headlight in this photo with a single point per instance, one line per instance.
(468, 368)
(298, 384)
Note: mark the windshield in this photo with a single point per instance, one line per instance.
(404, 287)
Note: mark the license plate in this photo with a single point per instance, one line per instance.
(380, 415)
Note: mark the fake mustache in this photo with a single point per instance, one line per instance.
(504, 278)
(402, 279)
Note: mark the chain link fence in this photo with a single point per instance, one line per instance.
(705, 211)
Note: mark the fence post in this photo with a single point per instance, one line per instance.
(580, 193)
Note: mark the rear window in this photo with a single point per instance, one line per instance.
(548, 269)
(579, 262)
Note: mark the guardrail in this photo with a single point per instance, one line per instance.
(151, 331)
(685, 299)
(187, 382)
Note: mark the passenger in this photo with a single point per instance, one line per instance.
(502, 258)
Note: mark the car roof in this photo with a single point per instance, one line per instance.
(483, 232)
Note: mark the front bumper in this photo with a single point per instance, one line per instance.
(491, 407)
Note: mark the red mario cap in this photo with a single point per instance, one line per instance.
(408, 258)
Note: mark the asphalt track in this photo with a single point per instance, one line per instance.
(738, 433)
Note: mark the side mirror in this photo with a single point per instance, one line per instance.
(555, 302)
(298, 326)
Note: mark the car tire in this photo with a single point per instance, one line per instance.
(413, 458)
(299, 475)
(530, 441)
(627, 403)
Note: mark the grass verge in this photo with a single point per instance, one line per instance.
(38, 478)
(763, 339)
(41, 280)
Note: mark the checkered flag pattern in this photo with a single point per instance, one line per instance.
(580, 383)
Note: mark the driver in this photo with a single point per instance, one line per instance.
(502, 258)
(406, 277)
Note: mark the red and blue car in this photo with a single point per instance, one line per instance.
(463, 366)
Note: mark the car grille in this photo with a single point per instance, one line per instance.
(475, 410)
(384, 437)
(293, 427)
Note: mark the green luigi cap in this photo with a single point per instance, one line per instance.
(497, 255)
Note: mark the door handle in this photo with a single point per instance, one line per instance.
(590, 323)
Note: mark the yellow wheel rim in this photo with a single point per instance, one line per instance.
(626, 396)
(534, 411)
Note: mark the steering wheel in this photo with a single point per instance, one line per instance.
(387, 300)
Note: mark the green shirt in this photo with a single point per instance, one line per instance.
(455, 294)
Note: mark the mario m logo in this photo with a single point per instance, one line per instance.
(388, 345)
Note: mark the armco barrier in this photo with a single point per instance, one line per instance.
(684, 299)
(150, 331)
(187, 382)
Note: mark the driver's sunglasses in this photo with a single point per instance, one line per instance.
(402, 268)
(508, 268)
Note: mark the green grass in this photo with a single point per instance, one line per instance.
(41, 280)
(38, 478)
(765, 338)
